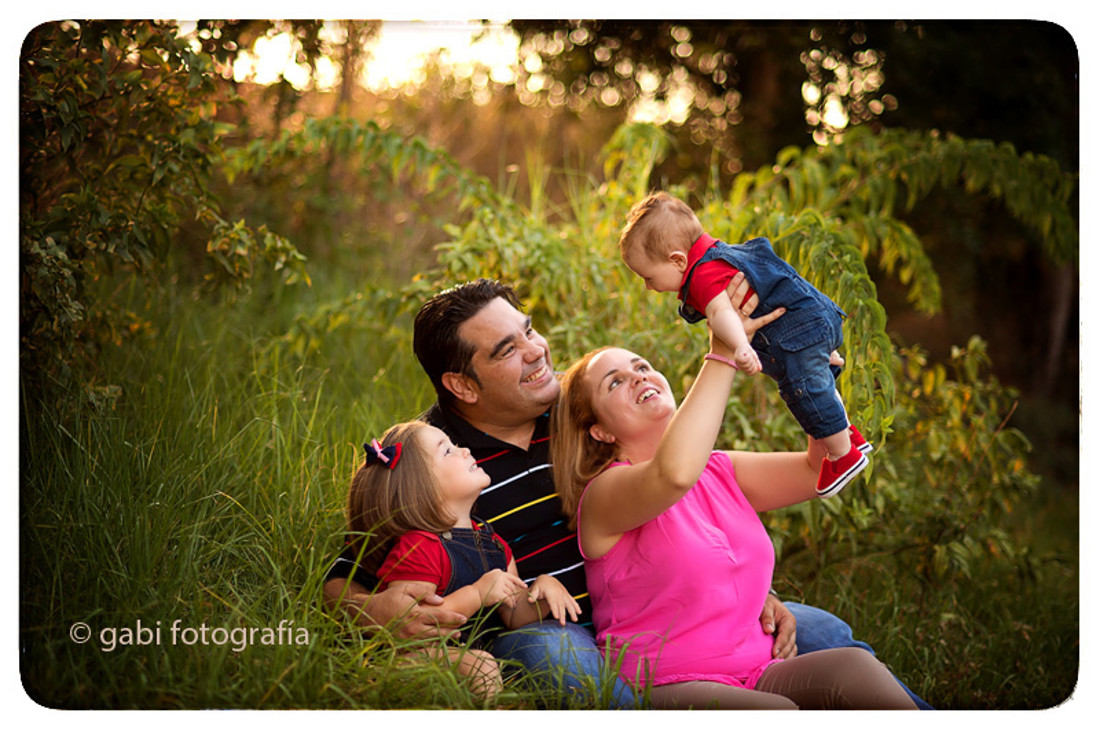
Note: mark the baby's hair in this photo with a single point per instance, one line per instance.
(659, 224)
(385, 502)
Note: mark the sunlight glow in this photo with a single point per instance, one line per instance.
(273, 56)
(397, 55)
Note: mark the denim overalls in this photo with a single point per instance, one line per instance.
(473, 552)
(794, 350)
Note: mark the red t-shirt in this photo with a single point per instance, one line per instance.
(710, 279)
(420, 556)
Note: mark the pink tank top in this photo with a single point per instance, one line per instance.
(680, 597)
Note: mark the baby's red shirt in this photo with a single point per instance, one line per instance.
(710, 279)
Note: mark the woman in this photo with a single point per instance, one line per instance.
(677, 560)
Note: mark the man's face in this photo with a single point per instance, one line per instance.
(512, 364)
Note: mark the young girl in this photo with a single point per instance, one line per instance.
(409, 511)
(664, 243)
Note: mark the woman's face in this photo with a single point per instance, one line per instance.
(628, 396)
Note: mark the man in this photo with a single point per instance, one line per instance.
(495, 383)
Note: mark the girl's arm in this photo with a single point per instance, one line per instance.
(772, 480)
(626, 497)
(494, 587)
(547, 595)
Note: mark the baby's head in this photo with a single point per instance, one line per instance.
(395, 490)
(655, 242)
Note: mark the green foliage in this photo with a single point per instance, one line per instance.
(864, 186)
(119, 140)
(359, 198)
(953, 468)
(960, 427)
(825, 210)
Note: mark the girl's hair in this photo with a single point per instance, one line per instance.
(383, 503)
(660, 224)
(577, 457)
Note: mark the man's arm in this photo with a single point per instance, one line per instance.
(411, 615)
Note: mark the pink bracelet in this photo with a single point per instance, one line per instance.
(721, 359)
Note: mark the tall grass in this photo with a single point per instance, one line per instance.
(211, 493)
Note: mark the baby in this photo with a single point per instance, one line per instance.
(664, 243)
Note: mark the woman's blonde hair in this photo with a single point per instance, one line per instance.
(383, 503)
(659, 224)
(577, 457)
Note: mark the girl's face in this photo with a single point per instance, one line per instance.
(660, 275)
(458, 476)
(628, 395)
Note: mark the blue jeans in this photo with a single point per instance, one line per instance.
(567, 658)
(818, 630)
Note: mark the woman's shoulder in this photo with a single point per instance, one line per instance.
(720, 465)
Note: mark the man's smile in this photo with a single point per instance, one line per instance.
(537, 374)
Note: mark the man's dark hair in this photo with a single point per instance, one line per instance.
(436, 342)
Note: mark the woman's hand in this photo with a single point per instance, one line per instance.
(815, 452)
(776, 619)
(745, 301)
(741, 295)
(558, 600)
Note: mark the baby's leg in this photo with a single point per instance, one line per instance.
(706, 695)
(838, 444)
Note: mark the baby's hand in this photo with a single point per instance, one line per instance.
(557, 598)
(497, 586)
(747, 360)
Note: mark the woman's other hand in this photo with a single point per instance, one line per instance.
(745, 301)
(776, 619)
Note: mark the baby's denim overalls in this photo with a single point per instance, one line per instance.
(794, 350)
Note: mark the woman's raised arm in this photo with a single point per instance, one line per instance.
(663, 468)
(773, 480)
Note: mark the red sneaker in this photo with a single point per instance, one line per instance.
(857, 439)
(836, 474)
